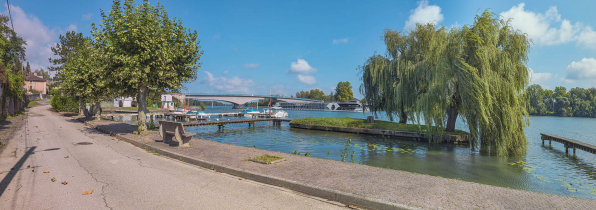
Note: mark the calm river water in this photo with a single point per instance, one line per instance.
(543, 169)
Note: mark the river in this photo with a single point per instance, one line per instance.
(545, 169)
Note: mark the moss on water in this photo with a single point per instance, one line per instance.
(361, 123)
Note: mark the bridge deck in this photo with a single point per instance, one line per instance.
(569, 143)
(223, 123)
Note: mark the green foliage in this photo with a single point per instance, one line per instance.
(315, 94)
(267, 158)
(64, 51)
(147, 50)
(477, 73)
(64, 103)
(202, 105)
(44, 74)
(361, 123)
(578, 102)
(344, 91)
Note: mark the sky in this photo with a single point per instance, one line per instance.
(282, 47)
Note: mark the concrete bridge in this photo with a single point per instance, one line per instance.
(238, 100)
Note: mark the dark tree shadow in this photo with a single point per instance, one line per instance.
(8, 178)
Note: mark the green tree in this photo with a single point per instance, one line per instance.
(64, 51)
(147, 50)
(477, 73)
(85, 74)
(12, 47)
(44, 74)
(344, 91)
(28, 68)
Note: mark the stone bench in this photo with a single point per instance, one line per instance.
(174, 131)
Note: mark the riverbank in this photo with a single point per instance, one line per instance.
(391, 187)
(378, 127)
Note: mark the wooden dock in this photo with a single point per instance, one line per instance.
(222, 124)
(569, 143)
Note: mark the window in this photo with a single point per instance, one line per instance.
(30, 87)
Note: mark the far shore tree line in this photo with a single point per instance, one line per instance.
(434, 75)
(137, 51)
(578, 102)
(343, 92)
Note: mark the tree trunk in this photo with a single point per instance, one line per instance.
(142, 105)
(81, 106)
(451, 118)
(97, 110)
(403, 117)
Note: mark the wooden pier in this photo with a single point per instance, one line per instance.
(569, 143)
(251, 122)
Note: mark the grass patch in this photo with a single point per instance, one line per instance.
(267, 159)
(33, 103)
(137, 108)
(361, 123)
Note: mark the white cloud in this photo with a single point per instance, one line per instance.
(542, 27)
(301, 67)
(251, 65)
(536, 78)
(225, 72)
(228, 85)
(424, 14)
(72, 27)
(582, 70)
(87, 16)
(340, 41)
(307, 79)
(39, 37)
(587, 38)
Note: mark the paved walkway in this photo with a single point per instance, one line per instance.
(399, 187)
(121, 176)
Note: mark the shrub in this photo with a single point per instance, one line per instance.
(64, 103)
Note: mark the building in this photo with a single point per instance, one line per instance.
(35, 84)
(167, 102)
(125, 102)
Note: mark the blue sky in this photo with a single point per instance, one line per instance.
(254, 46)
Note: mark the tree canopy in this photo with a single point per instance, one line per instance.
(477, 73)
(315, 94)
(578, 102)
(146, 49)
(343, 91)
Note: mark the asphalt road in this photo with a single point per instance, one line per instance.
(121, 176)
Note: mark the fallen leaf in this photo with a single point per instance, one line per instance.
(66, 157)
(11, 168)
(53, 179)
(28, 166)
(64, 183)
(33, 170)
(352, 207)
(45, 172)
(87, 192)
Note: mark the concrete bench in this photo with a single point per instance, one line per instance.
(174, 131)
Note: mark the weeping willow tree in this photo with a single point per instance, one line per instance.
(475, 73)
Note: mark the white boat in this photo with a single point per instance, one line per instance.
(203, 115)
(249, 112)
(276, 112)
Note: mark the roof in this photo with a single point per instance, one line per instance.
(32, 77)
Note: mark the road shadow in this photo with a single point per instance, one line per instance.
(118, 128)
(13, 172)
(5, 124)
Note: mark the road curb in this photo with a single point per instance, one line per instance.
(334, 195)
